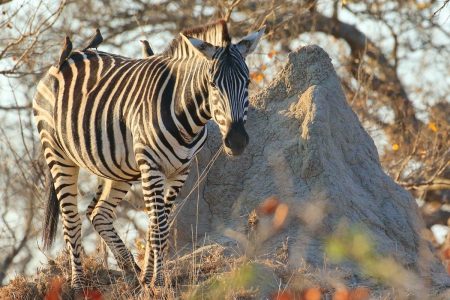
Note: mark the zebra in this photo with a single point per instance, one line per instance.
(137, 120)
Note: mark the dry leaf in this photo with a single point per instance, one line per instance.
(280, 215)
(55, 289)
(272, 53)
(269, 206)
(341, 294)
(311, 294)
(432, 126)
(285, 295)
(359, 293)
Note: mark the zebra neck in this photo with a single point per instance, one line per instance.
(190, 107)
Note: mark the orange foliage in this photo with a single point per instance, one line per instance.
(92, 295)
(268, 206)
(280, 215)
(359, 293)
(446, 253)
(285, 295)
(272, 53)
(139, 244)
(341, 294)
(311, 294)
(432, 126)
(257, 76)
(54, 291)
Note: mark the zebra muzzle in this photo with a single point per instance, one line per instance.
(236, 139)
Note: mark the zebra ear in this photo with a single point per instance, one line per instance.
(201, 47)
(249, 43)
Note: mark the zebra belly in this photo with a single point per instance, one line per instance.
(112, 159)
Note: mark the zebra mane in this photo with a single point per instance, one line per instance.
(215, 33)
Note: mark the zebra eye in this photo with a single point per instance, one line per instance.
(211, 83)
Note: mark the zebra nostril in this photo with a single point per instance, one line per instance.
(227, 142)
(236, 139)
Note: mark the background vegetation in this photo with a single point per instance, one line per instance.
(392, 58)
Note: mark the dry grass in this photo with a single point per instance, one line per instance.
(218, 272)
(182, 277)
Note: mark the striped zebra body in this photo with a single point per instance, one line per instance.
(128, 120)
(98, 132)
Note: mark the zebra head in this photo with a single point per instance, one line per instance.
(228, 77)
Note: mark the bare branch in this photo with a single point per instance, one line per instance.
(15, 107)
(230, 9)
(436, 184)
(440, 8)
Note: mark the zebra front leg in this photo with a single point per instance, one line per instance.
(173, 187)
(153, 182)
(102, 217)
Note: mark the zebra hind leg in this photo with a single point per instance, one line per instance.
(153, 184)
(65, 176)
(102, 217)
(97, 196)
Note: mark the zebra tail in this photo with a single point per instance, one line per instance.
(51, 211)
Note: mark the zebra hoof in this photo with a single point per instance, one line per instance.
(158, 292)
(159, 280)
(154, 292)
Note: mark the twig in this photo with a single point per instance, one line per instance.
(440, 8)
(230, 9)
(16, 107)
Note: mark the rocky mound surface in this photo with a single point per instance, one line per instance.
(308, 148)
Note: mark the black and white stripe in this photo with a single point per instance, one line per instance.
(126, 120)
